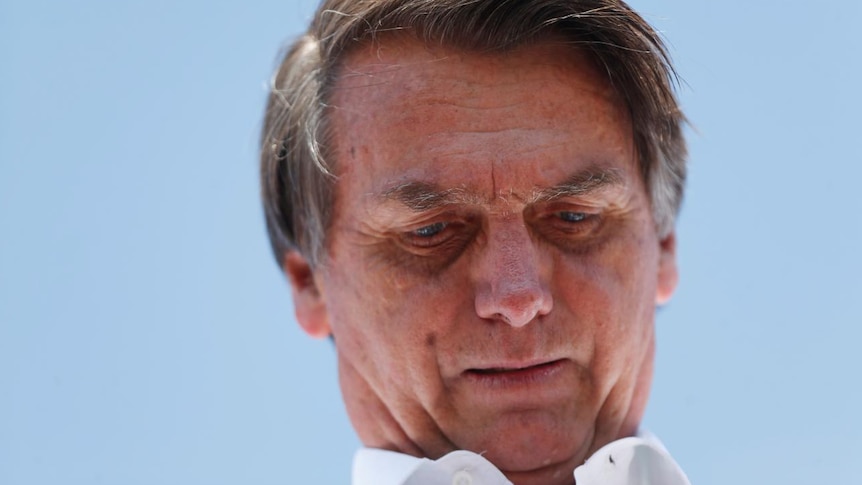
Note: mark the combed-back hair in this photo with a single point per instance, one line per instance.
(297, 176)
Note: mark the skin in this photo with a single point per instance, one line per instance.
(492, 266)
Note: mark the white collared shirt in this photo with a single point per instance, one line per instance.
(639, 460)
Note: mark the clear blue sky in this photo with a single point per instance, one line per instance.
(147, 337)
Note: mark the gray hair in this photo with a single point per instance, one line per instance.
(297, 176)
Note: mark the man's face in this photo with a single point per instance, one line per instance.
(493, 266)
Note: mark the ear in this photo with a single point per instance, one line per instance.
(668, 276)
(307, 300)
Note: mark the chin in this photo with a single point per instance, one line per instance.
(530, 442)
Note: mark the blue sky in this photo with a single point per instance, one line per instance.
(146, 336)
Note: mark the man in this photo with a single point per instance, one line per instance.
(475, 200)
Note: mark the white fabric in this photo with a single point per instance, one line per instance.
(639, 460)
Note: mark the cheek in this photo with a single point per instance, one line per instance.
(610, 295)
(389, 324)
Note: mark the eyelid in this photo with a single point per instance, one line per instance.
(447, 215)
(571, 234)
(554, 208)
(450, 239)
(414, 225)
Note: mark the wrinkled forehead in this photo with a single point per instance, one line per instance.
(377, 62)
(398, 80)
(403, 111)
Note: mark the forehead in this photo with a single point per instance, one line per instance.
(397, 53)
(401, 110)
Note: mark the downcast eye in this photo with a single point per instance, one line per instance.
(569, 216)
(430, 231)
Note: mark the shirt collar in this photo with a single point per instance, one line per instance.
(638, 460)
(373, 466)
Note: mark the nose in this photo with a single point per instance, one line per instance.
(509, 281)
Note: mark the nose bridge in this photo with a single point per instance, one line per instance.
(510, 284)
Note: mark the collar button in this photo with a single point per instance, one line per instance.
(462, 478)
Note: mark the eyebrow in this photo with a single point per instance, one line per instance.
(583, 183)
(423, 196)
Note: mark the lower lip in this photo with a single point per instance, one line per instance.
(528, 376)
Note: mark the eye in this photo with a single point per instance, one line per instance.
(569, 216)
(569, 224)
(438, 238)
(429, 243)
(429, 231)
(430, 236)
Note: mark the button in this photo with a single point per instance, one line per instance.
(462, 478)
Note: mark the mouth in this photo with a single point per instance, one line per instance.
(515, 368)
(515, 375)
